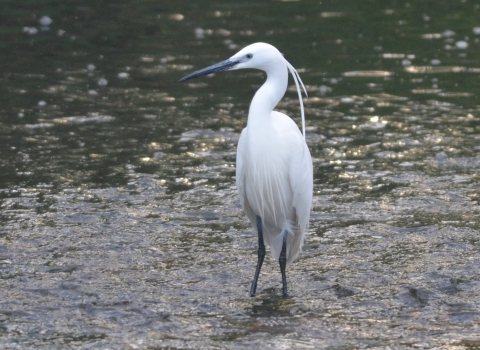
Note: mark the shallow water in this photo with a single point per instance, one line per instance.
(121, 226)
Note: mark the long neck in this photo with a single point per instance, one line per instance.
(268, 96)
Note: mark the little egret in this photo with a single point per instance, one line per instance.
(274, 167)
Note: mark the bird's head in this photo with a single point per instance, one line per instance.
(258, 56)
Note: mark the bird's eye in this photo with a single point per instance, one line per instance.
(249, 55)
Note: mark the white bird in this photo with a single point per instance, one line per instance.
(274, 167)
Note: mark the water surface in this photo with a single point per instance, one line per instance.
(121, 226)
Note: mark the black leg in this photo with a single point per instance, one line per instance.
(283, 263)
(261, 256)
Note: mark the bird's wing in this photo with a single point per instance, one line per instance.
(239, 166)
(301, 180)
(240, 177)
(300, 167)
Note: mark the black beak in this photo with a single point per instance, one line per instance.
(218, 67)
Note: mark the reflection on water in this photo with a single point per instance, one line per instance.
(121, 226)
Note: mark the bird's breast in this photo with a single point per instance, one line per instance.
(267, 187)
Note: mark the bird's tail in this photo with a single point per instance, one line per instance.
(295, 239)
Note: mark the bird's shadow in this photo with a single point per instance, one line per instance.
(270, 303)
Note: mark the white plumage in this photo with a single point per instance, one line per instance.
(274, 167)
